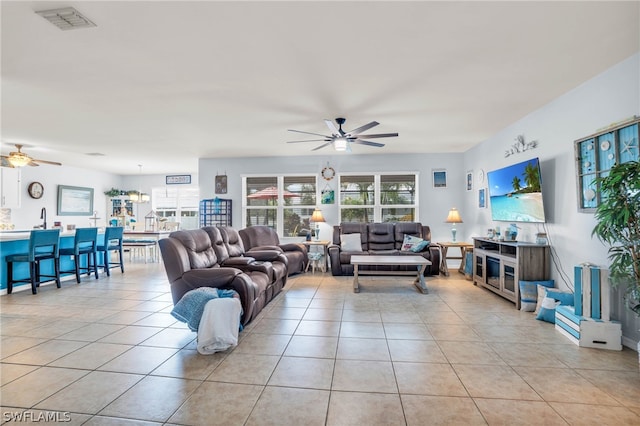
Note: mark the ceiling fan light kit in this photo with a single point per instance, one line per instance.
(340, 144)
(342, 140)
(20, 159)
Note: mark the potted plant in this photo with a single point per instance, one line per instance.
(113, 192)
(618, 217)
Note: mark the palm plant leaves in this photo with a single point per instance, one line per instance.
(618, 222)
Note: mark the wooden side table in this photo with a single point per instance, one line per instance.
(444, 269)
(325, 249)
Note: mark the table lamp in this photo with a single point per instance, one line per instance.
(453, 218)
(316, 218)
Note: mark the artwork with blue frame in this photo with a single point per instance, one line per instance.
(596, 154)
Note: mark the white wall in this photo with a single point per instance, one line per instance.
(607, 98)
(28, 215)
(434, 202)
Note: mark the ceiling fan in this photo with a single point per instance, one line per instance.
(342, 140)
(20, 159)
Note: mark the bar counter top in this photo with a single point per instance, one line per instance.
(23, 234)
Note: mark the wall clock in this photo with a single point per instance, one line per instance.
(481, 176)
(35, 190)
(328, 173)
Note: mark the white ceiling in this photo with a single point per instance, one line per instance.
(164, 83)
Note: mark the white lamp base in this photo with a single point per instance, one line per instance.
(453, 233)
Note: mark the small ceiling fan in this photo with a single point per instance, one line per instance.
(342, 140)
(20, 159)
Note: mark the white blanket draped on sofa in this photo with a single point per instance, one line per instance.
(219, 325)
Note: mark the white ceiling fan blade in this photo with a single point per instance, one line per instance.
(4, 162)
(363, 128)
(309, 133)
(54, 163)
(361, 142)
(311, 140)
(332, 127)
(321, 146)
(379, 135)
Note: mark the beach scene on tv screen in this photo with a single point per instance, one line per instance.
(515, 193)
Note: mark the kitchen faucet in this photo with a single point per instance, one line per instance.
(43, 215)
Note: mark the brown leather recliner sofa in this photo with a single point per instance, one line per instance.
(260, 237)
(381, 239)
(201, 258)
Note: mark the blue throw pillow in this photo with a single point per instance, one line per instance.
(529, 293)
(553, 297)
(420, 246)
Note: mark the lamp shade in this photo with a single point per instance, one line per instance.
(317, 216)
(454, 216)
(18, 159)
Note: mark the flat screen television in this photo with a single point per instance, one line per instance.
(515, 193)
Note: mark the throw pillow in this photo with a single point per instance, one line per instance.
(542, 291)
(552, 298)
(410, 243)
(420, 246)
(529, 294)
(350, 242)
(548, 310)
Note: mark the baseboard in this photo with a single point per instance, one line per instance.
(27, 286)
(629, 343)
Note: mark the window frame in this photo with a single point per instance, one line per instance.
(377, 206)
(179, 208)
(280, 206)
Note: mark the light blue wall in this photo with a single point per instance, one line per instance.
(610, 97)
(434, 203)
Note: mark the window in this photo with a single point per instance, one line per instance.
(284, 203)
(378, 198)
(177, 204)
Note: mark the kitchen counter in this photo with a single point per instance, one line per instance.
(23, 234)
(17, 241)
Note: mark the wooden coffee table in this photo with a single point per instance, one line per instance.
(418, 261)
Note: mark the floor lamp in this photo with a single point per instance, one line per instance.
(453, 218)
(316, 218)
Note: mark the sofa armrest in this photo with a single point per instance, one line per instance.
(268, 255)
(260, 248)
(334, 256)
(434, 251)
(175, 258)
(210, 277)
(238, 261)
(254, 266)
(294, 247)
(225, 278)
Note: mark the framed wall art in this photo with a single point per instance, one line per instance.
(178, 180)
(75, 201)
(439, 178)
(482, 198)
(221, 184)
(470, 180)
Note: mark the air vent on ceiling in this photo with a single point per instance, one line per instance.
(66, 18)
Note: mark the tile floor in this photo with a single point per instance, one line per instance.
(107, 352)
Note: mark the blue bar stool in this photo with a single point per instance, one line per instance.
(85, 243)
(112, 242)
(43, 245)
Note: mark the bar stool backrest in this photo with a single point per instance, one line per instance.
(44, 242)
(113, 237)
(86, 240)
